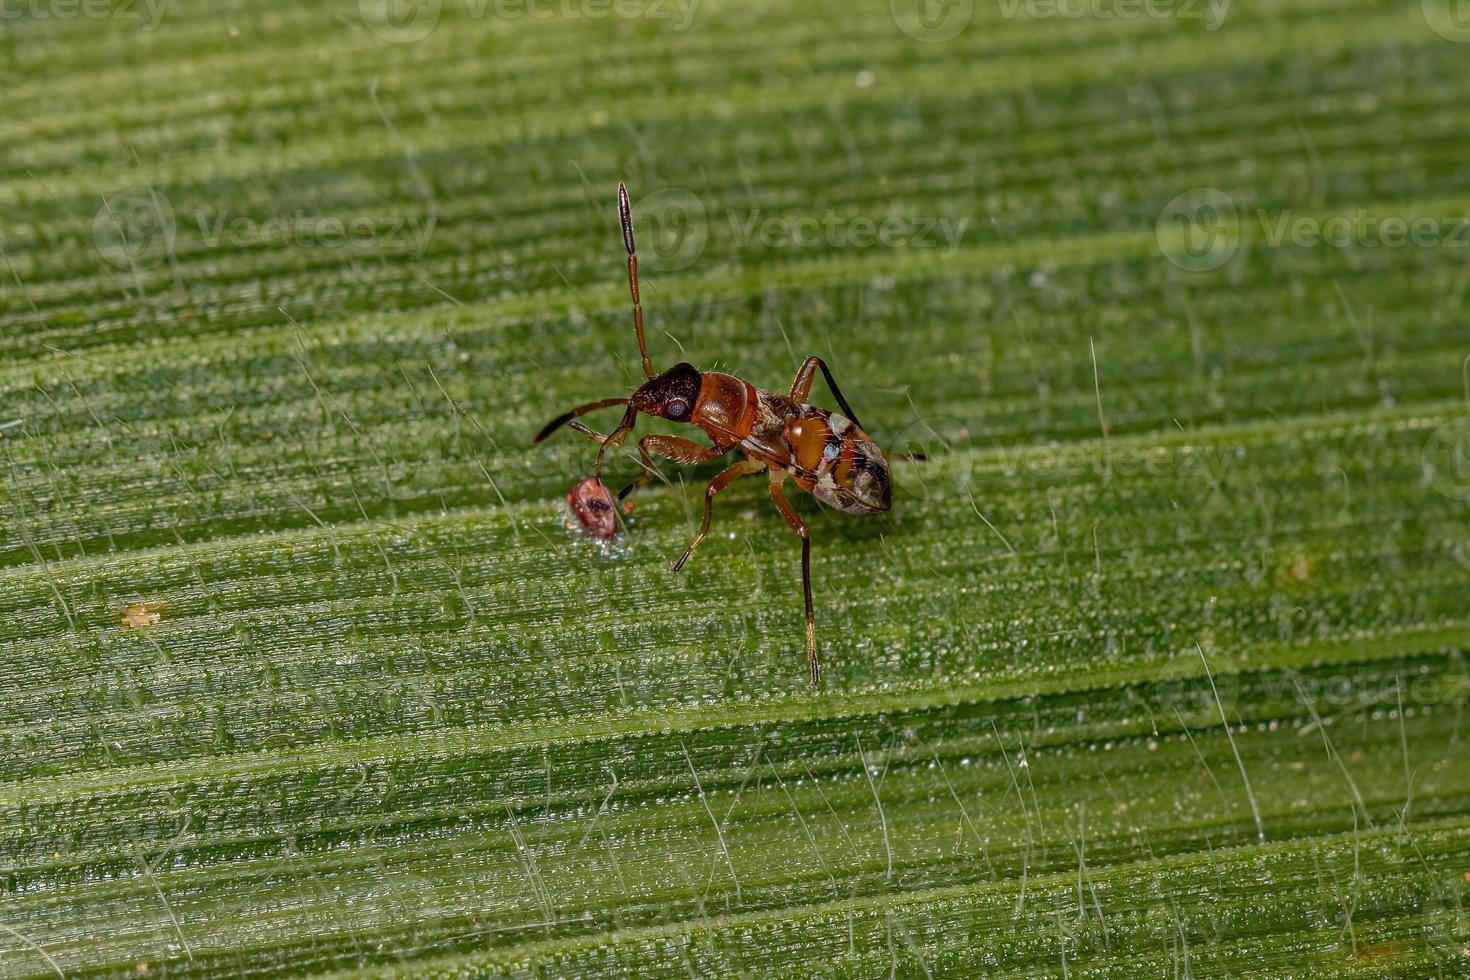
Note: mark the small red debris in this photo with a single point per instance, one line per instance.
(593, 507)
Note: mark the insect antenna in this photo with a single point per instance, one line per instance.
(625, 213)
(580, 410)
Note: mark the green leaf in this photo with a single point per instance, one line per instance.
(1155, 668)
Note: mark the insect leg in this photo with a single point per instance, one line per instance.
(722, 480)
(678, 449)
(801, 387)
(797, 525)
(616, 437)
(625, 215)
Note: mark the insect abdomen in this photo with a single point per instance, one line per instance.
(837, 462)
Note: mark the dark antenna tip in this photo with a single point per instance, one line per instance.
(625, 212)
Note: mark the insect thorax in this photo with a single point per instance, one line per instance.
(725, 407)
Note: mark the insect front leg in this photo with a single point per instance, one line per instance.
(676, 448)
(725, 477)
(801, 387)
(799, 526)
(616, 437)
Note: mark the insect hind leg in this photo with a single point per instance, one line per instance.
(799, 526)
(801, 386)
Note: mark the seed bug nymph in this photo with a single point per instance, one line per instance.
(827, 454)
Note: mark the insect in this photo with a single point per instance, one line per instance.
(825, 453)
(593, 507)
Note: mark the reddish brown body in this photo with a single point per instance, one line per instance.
(825, 453)
(593, 508)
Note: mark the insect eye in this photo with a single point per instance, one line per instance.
(678, 408)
